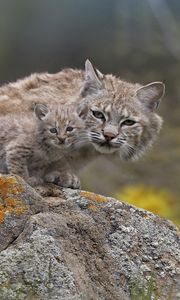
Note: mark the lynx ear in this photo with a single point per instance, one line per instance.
(41, 111)
(93, 79)
(99, 74)
(151, 94)
(82, 110)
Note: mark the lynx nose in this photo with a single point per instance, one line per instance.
(109, 136)
(110, 132)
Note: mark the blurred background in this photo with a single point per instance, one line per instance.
(137, 40)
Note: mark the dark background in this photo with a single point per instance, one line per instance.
(138, 40)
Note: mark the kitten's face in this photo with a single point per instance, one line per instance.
(58, 126)
(120, 117)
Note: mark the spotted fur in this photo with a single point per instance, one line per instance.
(116, 99)
(120, 117)
(31, 150)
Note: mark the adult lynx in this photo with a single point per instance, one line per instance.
(119, 116)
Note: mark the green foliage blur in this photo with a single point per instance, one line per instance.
(137, 40)
(149, 291)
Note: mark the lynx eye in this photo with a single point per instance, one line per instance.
(97, 114)
(128, 122)
(53, 130)
(69, 128)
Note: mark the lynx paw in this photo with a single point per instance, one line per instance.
(68, 180)
(34, 181)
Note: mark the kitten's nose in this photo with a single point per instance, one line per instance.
(109, 136)
(61, 139)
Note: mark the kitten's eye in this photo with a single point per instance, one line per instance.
(53, 130)
(97, 114)
(69, 128)
(128, 122)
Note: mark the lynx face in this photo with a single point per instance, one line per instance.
(58, 126)
(120, 119)
(121, 129)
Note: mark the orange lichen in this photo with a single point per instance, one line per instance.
(9, 185)
(17, 208)
(93, 197)
(146, 217)
(92, 207)
(2, 216)
(10, 202)
(20, 210)
(10, 205)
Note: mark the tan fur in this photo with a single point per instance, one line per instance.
(29, 148)
(61, 88)
(117, 100)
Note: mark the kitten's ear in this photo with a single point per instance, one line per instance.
(82, 110)
(41, 111)
(151, 94)
(93, 79)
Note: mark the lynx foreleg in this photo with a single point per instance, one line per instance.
(16, 163)
(61, 174)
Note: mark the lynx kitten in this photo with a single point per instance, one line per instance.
(34, 146)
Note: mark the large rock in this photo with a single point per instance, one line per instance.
(71, 245)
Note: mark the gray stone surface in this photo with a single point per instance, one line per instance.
(78, 245)
(18, 202)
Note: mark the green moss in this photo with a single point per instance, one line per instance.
(150, 291)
